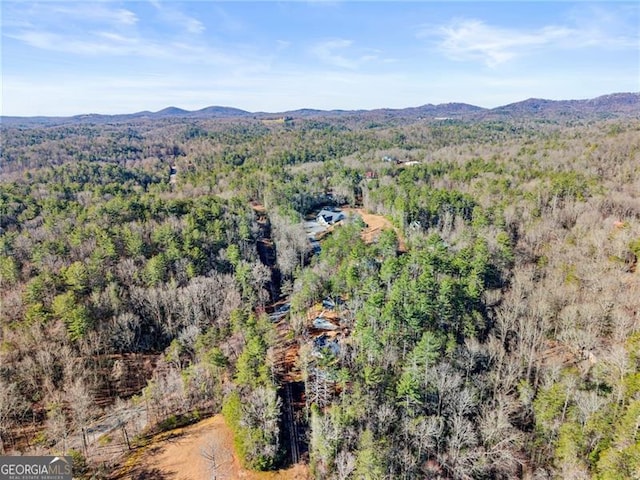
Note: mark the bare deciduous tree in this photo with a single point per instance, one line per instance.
(345, 464)
(12, 406)
(80, 402)
(218, 460)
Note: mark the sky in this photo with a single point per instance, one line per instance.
(75, 57)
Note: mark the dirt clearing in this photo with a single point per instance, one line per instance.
(180, 455)
(375, 225)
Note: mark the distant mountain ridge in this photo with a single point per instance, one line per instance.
(611, 105)
(616, 103)
(207, 112)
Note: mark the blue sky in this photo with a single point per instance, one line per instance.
(65, 58)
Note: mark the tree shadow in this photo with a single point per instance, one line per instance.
(150, 474)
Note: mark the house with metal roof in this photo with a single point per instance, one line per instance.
(329, 216)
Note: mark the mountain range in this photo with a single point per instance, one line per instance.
(613, 105)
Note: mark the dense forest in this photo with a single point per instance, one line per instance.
(493, 332)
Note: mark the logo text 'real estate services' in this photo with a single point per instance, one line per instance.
(35, 468)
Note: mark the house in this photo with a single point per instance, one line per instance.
(280, 312)
(329, 216)
(323, 344)
(322, 323)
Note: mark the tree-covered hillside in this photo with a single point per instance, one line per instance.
(494, 332)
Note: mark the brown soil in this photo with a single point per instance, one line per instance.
(178, 455)
(375, 225)
(318, 311)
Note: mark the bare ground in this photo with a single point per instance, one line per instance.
(181, 455)
(375, 225)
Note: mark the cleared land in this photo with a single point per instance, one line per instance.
(375, 225)
(180, 455)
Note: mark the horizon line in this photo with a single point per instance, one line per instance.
(260, 112)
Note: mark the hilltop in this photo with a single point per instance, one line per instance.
(606, 106)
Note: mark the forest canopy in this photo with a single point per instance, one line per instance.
(493, 331)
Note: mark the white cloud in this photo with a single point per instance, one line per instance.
(334, 53)
(187, 23)
(326, 51)
(101, 43)
(96, 12)
(70, 28)
(473, 39)
(178, 18)
(98, 30)
(193, 26)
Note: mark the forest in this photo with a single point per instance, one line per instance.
(492, 333)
